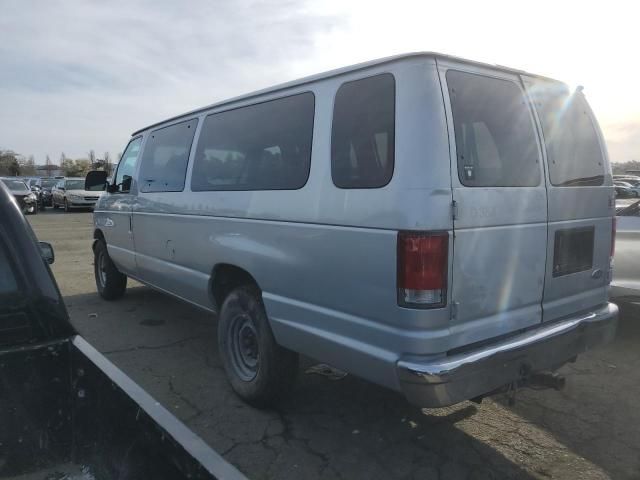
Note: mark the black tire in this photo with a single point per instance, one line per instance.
(111, 284)
(271, 378)
(54, 205)
(66, 206)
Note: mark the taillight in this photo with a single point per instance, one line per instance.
(422, 269)
(614, 225)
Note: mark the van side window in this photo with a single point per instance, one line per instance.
(165, 157)
(266, 146)
(127, 165)
(573, 149)
(363, 133)
(495, 137)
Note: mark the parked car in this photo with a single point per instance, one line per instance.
(622, 191)
(626, 270)
(321, 217)
(65, 407)
(25, 198)
(45, 184)
(631, 189)
(71, 193)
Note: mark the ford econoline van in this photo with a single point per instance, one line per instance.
(437, 226)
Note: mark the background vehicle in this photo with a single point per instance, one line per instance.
(630, 188)
(26, 199)
(622, 191)
(626, 270)
(345, 251)
(65, 410)
(44, 195)
(70, 193)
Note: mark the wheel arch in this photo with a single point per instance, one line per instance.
(224, 278)
(98, 236)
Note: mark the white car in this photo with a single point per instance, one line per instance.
(70, 193)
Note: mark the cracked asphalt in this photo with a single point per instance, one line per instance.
(348, 428)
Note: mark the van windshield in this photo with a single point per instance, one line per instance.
(573, 149)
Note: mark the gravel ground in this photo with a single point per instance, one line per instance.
(349, 428)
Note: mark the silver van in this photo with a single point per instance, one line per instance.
(437, 226)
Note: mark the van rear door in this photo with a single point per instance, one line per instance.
(500, 203)
(581, 201)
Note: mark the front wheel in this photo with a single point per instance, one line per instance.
(260, 371)
(66, 206)
(111, 284)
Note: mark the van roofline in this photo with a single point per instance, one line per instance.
(337, 72)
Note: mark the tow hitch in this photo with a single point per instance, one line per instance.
(536, 381)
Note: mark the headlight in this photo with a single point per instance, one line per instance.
(73, 196)
(32, 197)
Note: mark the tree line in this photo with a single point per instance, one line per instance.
(14, 164)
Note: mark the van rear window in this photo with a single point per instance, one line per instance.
(495, 137)
(266, 146)
(573, 149)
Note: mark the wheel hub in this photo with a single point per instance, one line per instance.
(242, 339)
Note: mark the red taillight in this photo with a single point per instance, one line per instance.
(614, 225)
(422, 269)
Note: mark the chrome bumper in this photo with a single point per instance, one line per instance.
(439, 381)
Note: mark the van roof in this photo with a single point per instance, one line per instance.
(335, 73)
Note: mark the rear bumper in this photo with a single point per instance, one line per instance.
(439, 381)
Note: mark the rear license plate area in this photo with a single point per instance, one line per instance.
(573, 251)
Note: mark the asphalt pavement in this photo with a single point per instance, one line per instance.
(348, 428)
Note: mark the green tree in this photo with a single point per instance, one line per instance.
(9, 163)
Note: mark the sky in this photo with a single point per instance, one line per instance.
(83, 75)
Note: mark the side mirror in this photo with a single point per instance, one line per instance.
(96, 181)
(47, 252)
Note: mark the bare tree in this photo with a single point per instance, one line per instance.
(27, 165)
(107, 163)
(63, 157)
(48, 165)
(92, 158)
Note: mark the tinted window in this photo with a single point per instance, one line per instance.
(573, 150)
(47, 183)
(260, 147)
(74, 184)
(15, 185)
(165, 158)
(495, 138)
(127, 165)
(8, 282)
(363, 133)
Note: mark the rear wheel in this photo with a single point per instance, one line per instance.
(111, 284)
(260, 371)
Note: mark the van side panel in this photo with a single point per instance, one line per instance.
(324, 257)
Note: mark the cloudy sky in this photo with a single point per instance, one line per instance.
(81, 75)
